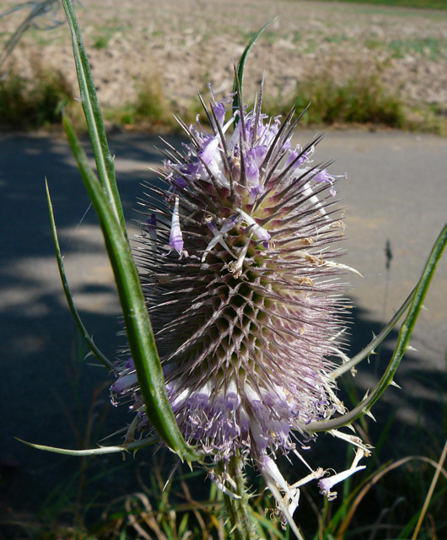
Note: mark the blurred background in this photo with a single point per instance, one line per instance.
(375, 74)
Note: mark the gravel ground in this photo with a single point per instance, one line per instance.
(186, 43)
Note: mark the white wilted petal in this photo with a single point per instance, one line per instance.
(326, 484)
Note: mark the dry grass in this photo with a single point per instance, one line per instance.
(150, 62)
(38, 102)
(30, 103)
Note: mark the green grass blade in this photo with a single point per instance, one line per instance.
(429, 496)
(71, 305)
(104, 161)
(406, 531)
(239, 73)
(138, 327)
(269, 525)
(136, 445)
(403, 341)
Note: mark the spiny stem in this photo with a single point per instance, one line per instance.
(238, 509)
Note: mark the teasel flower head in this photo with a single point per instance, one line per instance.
(237, 258)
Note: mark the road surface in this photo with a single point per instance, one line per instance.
(395, 195)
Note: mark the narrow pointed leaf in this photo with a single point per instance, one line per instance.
(136, 445)
(403, 340)
(104, 161)
(71, 305)
(239, 73)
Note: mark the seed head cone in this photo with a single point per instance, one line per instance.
(237, 262)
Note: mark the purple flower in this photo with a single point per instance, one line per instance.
(219, 112)
(324, 176)
(247, 319)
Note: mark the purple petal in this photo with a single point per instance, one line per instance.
(211, 151)
(253, 160)
(324, 176)
(179, 181)
(190, 169)
(124, 383)
(175, 236)
(219, 111)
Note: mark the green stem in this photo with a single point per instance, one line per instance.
(138, 326)
(104, 195)
(242, 526)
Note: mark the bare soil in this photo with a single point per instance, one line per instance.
(184, 44)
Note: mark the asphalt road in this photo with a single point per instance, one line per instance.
(396, 193)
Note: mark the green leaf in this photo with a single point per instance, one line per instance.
(239, 71)
(136, 445)
(71, 305)
(138, 327)
(104, 161)
(403, 341)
